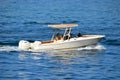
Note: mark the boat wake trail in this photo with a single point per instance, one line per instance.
(9, 48)
(6, 48)
(93, 47)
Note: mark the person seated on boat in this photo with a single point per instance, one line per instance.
(58, 36)
(56, 39)
(79, 34)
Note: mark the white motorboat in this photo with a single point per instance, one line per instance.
(65, 41)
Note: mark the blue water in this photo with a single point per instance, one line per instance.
(28, 20)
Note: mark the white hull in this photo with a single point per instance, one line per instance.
(86, 40)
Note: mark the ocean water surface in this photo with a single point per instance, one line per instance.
(29, 20)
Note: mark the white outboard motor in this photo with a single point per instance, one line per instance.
(24, 45)
(35, 45)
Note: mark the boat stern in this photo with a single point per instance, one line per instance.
(26, 45)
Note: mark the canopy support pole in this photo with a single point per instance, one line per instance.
(67, 33)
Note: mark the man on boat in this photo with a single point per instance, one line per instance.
(58, 36)
(79, 34)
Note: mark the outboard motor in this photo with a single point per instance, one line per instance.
(24, 45)
(35, 45)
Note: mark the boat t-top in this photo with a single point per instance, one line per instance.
(65, 41)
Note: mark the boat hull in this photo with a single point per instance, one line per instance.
(67, 44)
(72, 43)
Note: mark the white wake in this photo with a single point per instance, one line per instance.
(9, 48)
(93, 47)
